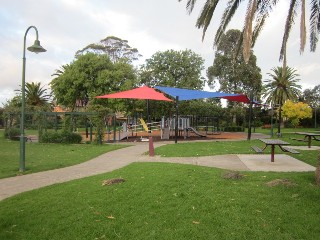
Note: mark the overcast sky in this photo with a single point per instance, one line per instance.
(66, 26)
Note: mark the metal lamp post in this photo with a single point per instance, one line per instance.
(250, 115)
(36, 48)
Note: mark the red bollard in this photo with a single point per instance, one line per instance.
(151, 148)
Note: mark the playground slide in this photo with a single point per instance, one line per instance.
(123, 135)
(196, 132)
(144, 125)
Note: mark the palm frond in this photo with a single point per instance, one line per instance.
(314, 24)
(257, 29)
(247, 34)
(303, 26)
(264, 7)
(289, 22)
(226, 18)
(206, 14)
(190, 5)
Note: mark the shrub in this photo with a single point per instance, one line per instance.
(12, 133)
(51, 137)
(234, 129)
(61, 137)
(71, 137)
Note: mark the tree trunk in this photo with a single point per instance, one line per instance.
(279, 122)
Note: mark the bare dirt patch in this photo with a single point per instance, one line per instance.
(233, 175)
(283, 182)
(112, 181)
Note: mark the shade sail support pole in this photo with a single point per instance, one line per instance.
(176, 121)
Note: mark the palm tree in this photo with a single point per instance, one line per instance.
(36, 95)
(257, 13)
(60, 71)
(282, 86)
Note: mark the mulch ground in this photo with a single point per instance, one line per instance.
(156, 136)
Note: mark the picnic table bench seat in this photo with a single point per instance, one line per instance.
(299, 139)
(257, 149)
(27, 138)
(290, 150)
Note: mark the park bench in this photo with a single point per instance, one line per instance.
(299, 139)
(257, 149)
(27, 138)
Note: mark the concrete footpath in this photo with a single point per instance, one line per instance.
(136, 153)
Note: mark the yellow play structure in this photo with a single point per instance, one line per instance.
(144, 125)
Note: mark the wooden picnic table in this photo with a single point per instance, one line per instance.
(276, 142)
(310, 136)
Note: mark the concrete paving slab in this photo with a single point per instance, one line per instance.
(229, 161)
(282, 163)
(305, 147)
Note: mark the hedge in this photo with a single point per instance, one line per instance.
(60, 137)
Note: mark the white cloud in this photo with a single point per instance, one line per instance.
(66, 26)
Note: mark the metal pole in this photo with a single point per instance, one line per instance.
(250, 115)
(22, 137)
(271, 121)
(176, 121)
(35, 48)
(148, 116)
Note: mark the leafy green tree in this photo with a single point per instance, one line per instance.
(230, 69)
(282, 86)
(233, 74)
(256, 15)
(312, 97)
(91, 75)
(296, 111)
(173, 68)
(11, 110)
(1, 117)
(116, 48)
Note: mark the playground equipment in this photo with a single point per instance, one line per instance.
(189, 124)
(144, 125)
(209, 124)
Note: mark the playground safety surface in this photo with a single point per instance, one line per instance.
(156, 136)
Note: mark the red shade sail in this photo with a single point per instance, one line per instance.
(144, 93)
(238, 98)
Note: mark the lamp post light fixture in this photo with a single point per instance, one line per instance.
(36, 48)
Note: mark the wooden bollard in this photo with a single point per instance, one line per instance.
(151, 147)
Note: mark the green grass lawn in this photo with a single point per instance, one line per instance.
(167, 201)
(283, 130)
(41, 157)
